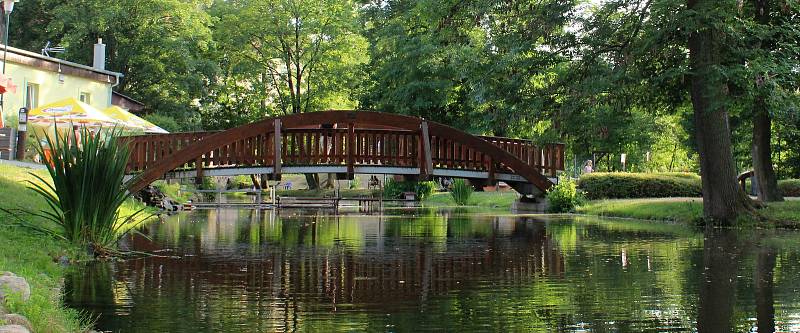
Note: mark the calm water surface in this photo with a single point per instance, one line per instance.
(428, 270)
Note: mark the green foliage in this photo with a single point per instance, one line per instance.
(789, 187)
(87, 188)
(159, 46)
(209, 183)
(282, 57)
(619, 185)
(437, 60)
(461, 191)
(564, 196)
(393, 189)
(424, 189)
(168, 123)
(239, 182)
(355, 183)
(173, 191)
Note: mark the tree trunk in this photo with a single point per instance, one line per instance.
(762, 154)
(762, 130)
(765, 301)
(721, 256)
(312, 179)
(723, 200)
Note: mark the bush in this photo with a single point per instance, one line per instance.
(461, 191)
(355, 183)
(209, 183)
(621, 185)
(166, 122)
(564, 196)
(87, 188)
(239, 182)
(424, 189)
(393, 189)
(789, 187)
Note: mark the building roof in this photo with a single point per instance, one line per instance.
(23, 57)
(126, 102)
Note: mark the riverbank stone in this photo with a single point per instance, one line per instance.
(11, 284)
(16, 319)
(13, 329)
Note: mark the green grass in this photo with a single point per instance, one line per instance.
(173, 191)
(479, 199)
(668, 209)
(31, 255)
(684, 210)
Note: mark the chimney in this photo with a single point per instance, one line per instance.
(99, 55)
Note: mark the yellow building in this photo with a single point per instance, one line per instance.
(50, 79)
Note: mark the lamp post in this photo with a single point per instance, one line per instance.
(8, 7)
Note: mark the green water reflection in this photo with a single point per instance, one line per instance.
(412, 270)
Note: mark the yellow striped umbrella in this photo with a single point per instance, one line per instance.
(69, 112)
(132, 121)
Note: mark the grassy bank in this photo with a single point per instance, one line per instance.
(173, 191)
(684, 210)
(32, 255)
(479, 199)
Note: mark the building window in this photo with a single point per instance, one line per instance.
(86, 98)
(33, 95)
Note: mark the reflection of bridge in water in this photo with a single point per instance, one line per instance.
(387, 269)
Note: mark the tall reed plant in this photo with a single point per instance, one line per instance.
(87, 189)
(461, 191)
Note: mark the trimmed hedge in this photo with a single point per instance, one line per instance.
(622, 185)
(789, 187)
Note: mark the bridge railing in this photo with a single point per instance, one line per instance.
(364, 147)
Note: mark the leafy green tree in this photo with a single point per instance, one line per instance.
(282, 57)
(158, 45)
(288, 56)
(478, 65)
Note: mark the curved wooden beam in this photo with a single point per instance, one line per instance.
(265, 126)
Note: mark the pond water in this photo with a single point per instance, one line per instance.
(421, 269)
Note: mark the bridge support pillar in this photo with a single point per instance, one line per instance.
(528, 204)
(199, 167)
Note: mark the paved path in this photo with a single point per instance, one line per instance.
(28, 165)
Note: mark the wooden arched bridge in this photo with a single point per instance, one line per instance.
(345, 143)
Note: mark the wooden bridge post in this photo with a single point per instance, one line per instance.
(491, 178)
(426, 161)
(276, 171)
(198, 163)
(351, 147)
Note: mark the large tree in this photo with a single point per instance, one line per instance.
(772, 58)
(723, 200)
(283, 57)
(480, 65)
(294, 56)
(158, 45)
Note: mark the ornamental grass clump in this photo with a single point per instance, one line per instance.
(461, 191)
(87, 188)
